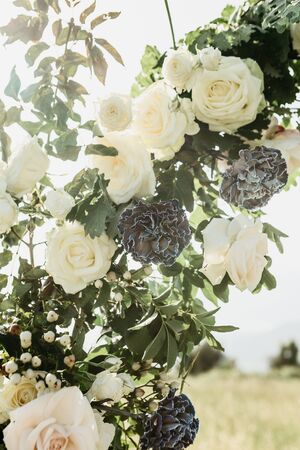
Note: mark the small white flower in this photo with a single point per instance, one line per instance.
(11, 367)
(127, 275)
(114, 113)
(36, 361)
(26, 339)
(49, 336)
(59, 203)
(65, 340)
(15, 378)
(107, 385)
(69, 361)
(210, 58)
(51, 380)
(52, 316)
(26, 357)
(98, 284)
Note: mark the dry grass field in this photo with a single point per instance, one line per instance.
(240, 412)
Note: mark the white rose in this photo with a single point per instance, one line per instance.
(107, 385)
(237, 247)
(130, 172)
(159, 121)
(59, 203)
(8, 212)
(74, 259)
(26, 168)
(187, 108)
(114, 113)
(106, 431)
(295, 33)
(59, 420)
(177, 69)
(128, 383)
(288, 142)
(3, 176)
(12, 396)
(210, 58)
(229, 97)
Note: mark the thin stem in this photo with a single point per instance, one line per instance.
(115, 411)
(31, 248)
(171, 23)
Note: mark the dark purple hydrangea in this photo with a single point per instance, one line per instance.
(155, 232)
(254, 178)
(172, 426)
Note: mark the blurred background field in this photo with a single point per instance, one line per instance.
(246, 412)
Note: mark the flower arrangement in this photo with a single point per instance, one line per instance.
(141, 237)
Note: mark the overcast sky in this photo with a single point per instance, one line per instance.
(144, 23)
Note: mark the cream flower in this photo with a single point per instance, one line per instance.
(159, 121)
(8, 212)
(178, 69)
(210, 58)
(106, 431)
(59, 203)
(60, 420)
(12, 396)
(288, 142)
(114, 113)
(110, 385)
(74, 259)
(237, 247)
(295, 33)
(3, 176)
(26, 168)
(229, 97)
(130, 172)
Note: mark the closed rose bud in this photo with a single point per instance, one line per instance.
(15, 378)
(11, 367)
(26, 357)
(65, 340)
(36, 361)
(69, 361)
(49, 336)
(15, 329)
(52, 316)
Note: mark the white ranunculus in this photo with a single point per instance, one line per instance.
(295, 33)
(59, 203)
(106, 431)
(74, 259)
(178, 69)
(210, 58)
(12, 396)
(159, 121)
(130, 172)
(288, 142)
(3, 176)
(59, 420)
(107, 385)
(26, 168)
(8, 212)
(237, 247)
(229, 97)
(114, 113)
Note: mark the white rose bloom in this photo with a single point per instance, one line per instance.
(295, 33)
(59, 420)
(3, 176)
(8, 212)
(106, 431)
(159, 121)
(130, 172)
(229, 97)
(128, 383)
(27, 167)
(12, 395)
(288, 142)
(178, 69)
(210, 58)
(107, 385)
(74, 259)
(115, 113)
(237, 247)
(59, 203)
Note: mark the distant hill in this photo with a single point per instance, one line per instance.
(253, 351)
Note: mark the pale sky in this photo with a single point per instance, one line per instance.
(142, 23)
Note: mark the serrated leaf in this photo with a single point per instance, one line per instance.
(14, 85)
(155, 346)
(103, 18)
(89, 10)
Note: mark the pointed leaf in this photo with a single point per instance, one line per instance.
(14, 85)
(155, 346)
(111, 50)
(89, 10)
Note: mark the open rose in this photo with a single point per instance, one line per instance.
(12, 396)
(237, 247)
(178, 69)
(74, 259)
(229, 97)
(110, 385)
(8, 212)
(130, 172)
(61, 420)
(114, 113)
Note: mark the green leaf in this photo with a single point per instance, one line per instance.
(98, 63)
(111, 50)
(13, 116)
(31, 127)
(5, 143)
(172, 351)
(102, 150)
(34, 52)
(169, 310)
(222, 328)
(5, 258)
(155, 346)
(14, 85)
(104, 18)
(145, 321)
(89, 10)
(3, 281)
(171, 271)
(26, 4)
(208, 291)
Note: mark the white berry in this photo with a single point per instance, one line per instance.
(49, 336)
(26, 357)
(111, 276)
(40, 386)
(98, 284)
(69, 361)
(136, 366)
(65, 340)
(11, 367)
(15, 378)
(118, 297)
(30, 374)
(36, 361)
(52, 316)
(51, 380)
(127, 275)
(25, 338)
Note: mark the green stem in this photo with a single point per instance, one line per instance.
(171, 23)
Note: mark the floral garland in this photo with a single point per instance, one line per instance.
(138, 237)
